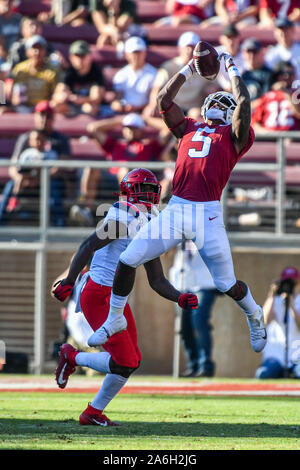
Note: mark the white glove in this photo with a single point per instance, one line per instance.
(188, 70)
(230, 66)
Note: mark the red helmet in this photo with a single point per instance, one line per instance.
(133, 183)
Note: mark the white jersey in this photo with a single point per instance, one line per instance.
(105, 260)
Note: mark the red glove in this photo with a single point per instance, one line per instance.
(188, 300)
(62, 291)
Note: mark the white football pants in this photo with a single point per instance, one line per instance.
(201, 222)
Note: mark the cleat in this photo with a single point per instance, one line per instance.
(258, 332)
(109, 328)
(66, 365)
(93, 417)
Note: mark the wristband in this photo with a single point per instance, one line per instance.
(233, 71)
(187, 72)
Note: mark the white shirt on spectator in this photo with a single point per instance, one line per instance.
(279, 53)
(135, 84)
(276, 330)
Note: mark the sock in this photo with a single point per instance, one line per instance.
(111, 385)
(248, 304)
(97, 361)
(117, 304)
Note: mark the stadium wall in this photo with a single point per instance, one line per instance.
(154, 315)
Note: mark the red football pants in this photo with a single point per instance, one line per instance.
(122, 346)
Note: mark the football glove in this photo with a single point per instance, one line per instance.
(188, 300)
(62, 291)
(228, 60)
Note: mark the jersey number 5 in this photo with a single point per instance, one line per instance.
(203, 149)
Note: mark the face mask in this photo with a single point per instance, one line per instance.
(215, 113)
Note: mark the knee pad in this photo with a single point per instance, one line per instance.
(238, 291)
(124, 371)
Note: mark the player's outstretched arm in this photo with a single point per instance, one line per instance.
(171, 113)
(241, 118)
(164, 288)
(104, 235)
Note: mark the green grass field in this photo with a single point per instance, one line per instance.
(150, 422)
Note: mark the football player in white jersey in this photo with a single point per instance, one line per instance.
(140, 191)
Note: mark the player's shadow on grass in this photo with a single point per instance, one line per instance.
(37, 428)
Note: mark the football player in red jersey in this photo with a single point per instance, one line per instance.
(206, 155)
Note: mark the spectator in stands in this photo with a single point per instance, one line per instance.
(133, 147)
(113, 19)
(17, 53)
(240, 13)
(185, 12)
(28, 27)
(230, 41)
(280, 358)
(57, 143)
(133, 83)
(9, 22)
(192, 93)
(257, 76)
(276, 110)
(271, 10)
(35, 78)
(83, 89)
(72, 12)
(287, 48)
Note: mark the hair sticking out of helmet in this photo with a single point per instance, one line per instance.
(140, 186)
(219, 105)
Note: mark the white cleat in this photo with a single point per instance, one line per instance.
(258, 332)
(109, 328)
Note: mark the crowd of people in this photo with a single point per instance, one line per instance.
(39, 79)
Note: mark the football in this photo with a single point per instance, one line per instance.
(206, 60)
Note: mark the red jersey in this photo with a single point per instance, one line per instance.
(181, 9)
(274, 112)
(206, 157)
(279, 8)
(137, 151)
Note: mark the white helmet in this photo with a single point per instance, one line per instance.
(226, 100)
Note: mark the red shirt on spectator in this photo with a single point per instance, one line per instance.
(274, 112)
(182, 8)
(279, 8)
(136, 151)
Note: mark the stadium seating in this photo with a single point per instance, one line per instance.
(162, 46)
(168, 35)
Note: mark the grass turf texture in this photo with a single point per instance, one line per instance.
(50, 421)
